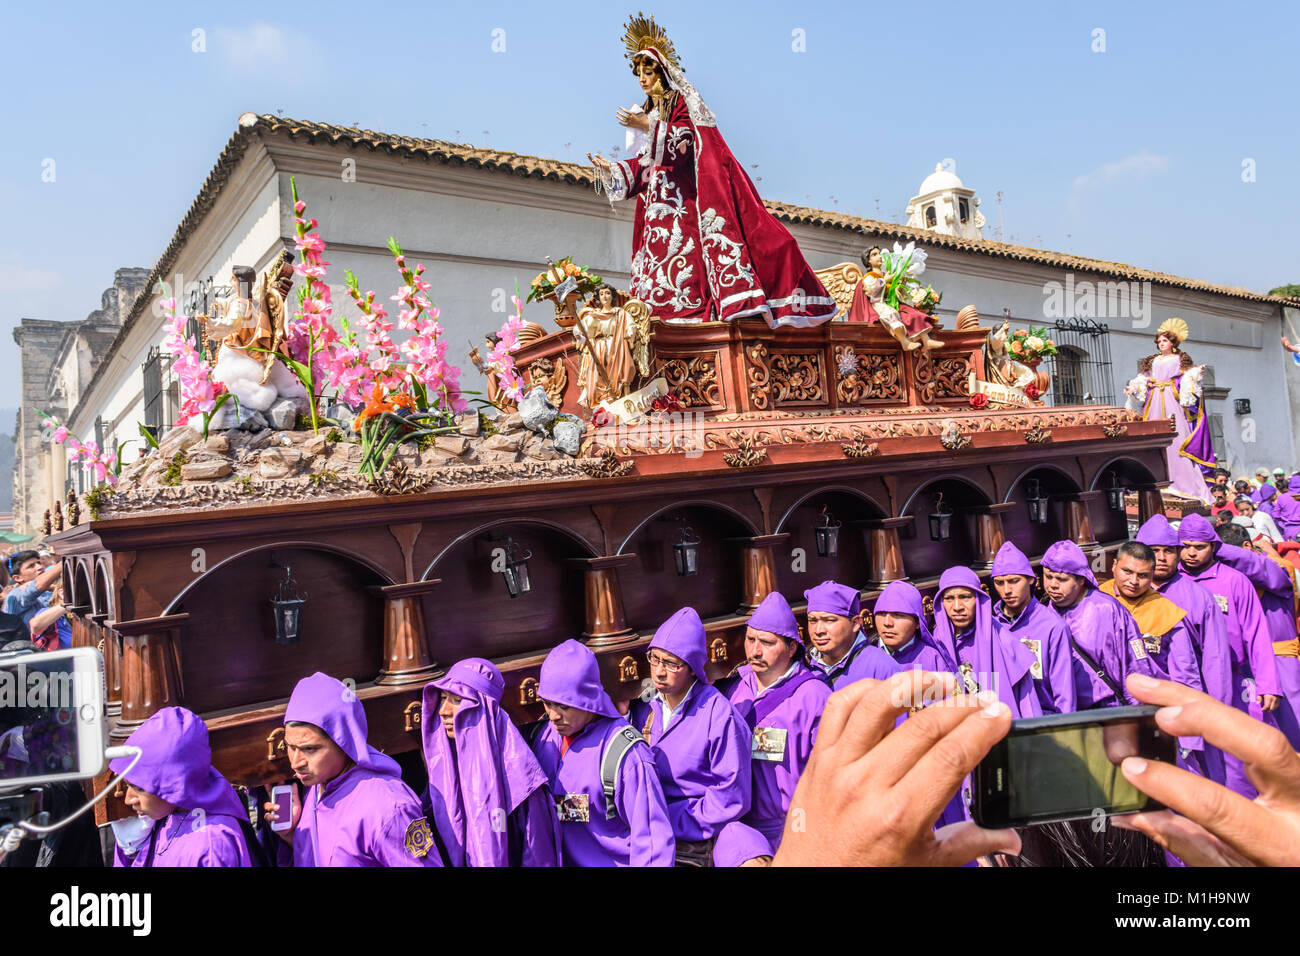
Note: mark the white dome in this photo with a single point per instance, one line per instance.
(939, 180)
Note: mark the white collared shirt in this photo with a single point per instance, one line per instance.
(670, 712)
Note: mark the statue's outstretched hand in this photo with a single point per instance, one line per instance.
(599, 161)
(634, 120)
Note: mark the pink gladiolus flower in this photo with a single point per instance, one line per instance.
(61, 434)
(299, 206)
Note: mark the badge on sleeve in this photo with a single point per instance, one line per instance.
(769, 744)
(1223, 602)
(573, 808)
(1139, 648)
(967, 674)
(1036, 648)
(1152, 642)
(418, 838)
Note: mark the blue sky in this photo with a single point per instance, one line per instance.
(1133, 153)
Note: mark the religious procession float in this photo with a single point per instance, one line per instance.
(731, 424)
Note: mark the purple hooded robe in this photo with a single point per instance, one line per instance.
(985, 653)
(1254, 667)
(921, 653)
(639, 833)
(900, 597)
(1101, 627)
(366, 816)
(1204, 623)
(176, 765)
(1286, 515)
(1277, 597)
(784, 718)
(703, 756)
(487, 794)
(1040, 629)
(863, 659)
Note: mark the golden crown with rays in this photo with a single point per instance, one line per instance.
(1175, 327)
(641, 32)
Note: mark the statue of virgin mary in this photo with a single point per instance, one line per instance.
(705, 248)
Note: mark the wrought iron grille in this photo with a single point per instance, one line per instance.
(1081, 370)
(155, 406)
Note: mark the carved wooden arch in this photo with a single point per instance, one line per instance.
(709, 503)
(281, 546)
(1124, 459)
(961, 479)
(1041, 466)
(82, 593)
(828, 489)
(102, 596)
(509, 521)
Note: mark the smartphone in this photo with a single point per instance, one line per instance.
(1066, 767)
(282, 797)
(52, 724)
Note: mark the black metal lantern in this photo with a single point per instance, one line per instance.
(516, 570)
(1037, 501)
(940, 520)
(287, 605)
(686, 553)
(828, 536)
(1115, 493)
(1241, 406)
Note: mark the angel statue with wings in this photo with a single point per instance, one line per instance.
(614, 336)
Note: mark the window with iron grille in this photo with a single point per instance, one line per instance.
(1081, 369)
(155, 408)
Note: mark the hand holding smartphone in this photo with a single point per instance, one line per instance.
(283, 809)
(1066, 767)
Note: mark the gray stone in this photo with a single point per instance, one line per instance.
(536, 411)
(436, 458)
(500, 442)
(316, 445)
(209, 470)
(278, 462)
(261, 440)
(283, 415)
(469, 425)
(453, 444)
(178, 439)
(567, 437)
(217, 444)
(253, 422)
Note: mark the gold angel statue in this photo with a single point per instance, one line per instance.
(613, 333)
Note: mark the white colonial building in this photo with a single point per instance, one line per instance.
(484, 220)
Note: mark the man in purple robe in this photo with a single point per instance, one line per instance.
(358, 812)
(586, 745)
(1038, 627)
(839, 647)
(1255, 685)
(487, 796)
(195, 817)
(987, 657)
(700, 744)
(1105, 637)
(1286, 514)
(1273, 583)
(781, 699)
(899, 619)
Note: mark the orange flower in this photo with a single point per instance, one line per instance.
(570, 269)
(538, 280)
(376, 406)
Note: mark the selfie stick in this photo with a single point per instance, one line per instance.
(110, 753)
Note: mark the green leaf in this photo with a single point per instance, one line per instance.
(148, 435)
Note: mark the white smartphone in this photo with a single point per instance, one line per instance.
(52, 724)
(282, 797)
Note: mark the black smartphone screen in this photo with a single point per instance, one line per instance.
(1066, 767)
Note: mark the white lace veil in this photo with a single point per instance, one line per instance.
(701, 115)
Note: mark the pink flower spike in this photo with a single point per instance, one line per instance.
(299, 206)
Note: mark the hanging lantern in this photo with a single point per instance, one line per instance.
(1037, 502)
(287, 605)
(828, 536)
(686, 553)
(940, 520)
(516, 570)
(1115, 493)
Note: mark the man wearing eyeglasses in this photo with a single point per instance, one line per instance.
(839, 647)
(701, 745)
